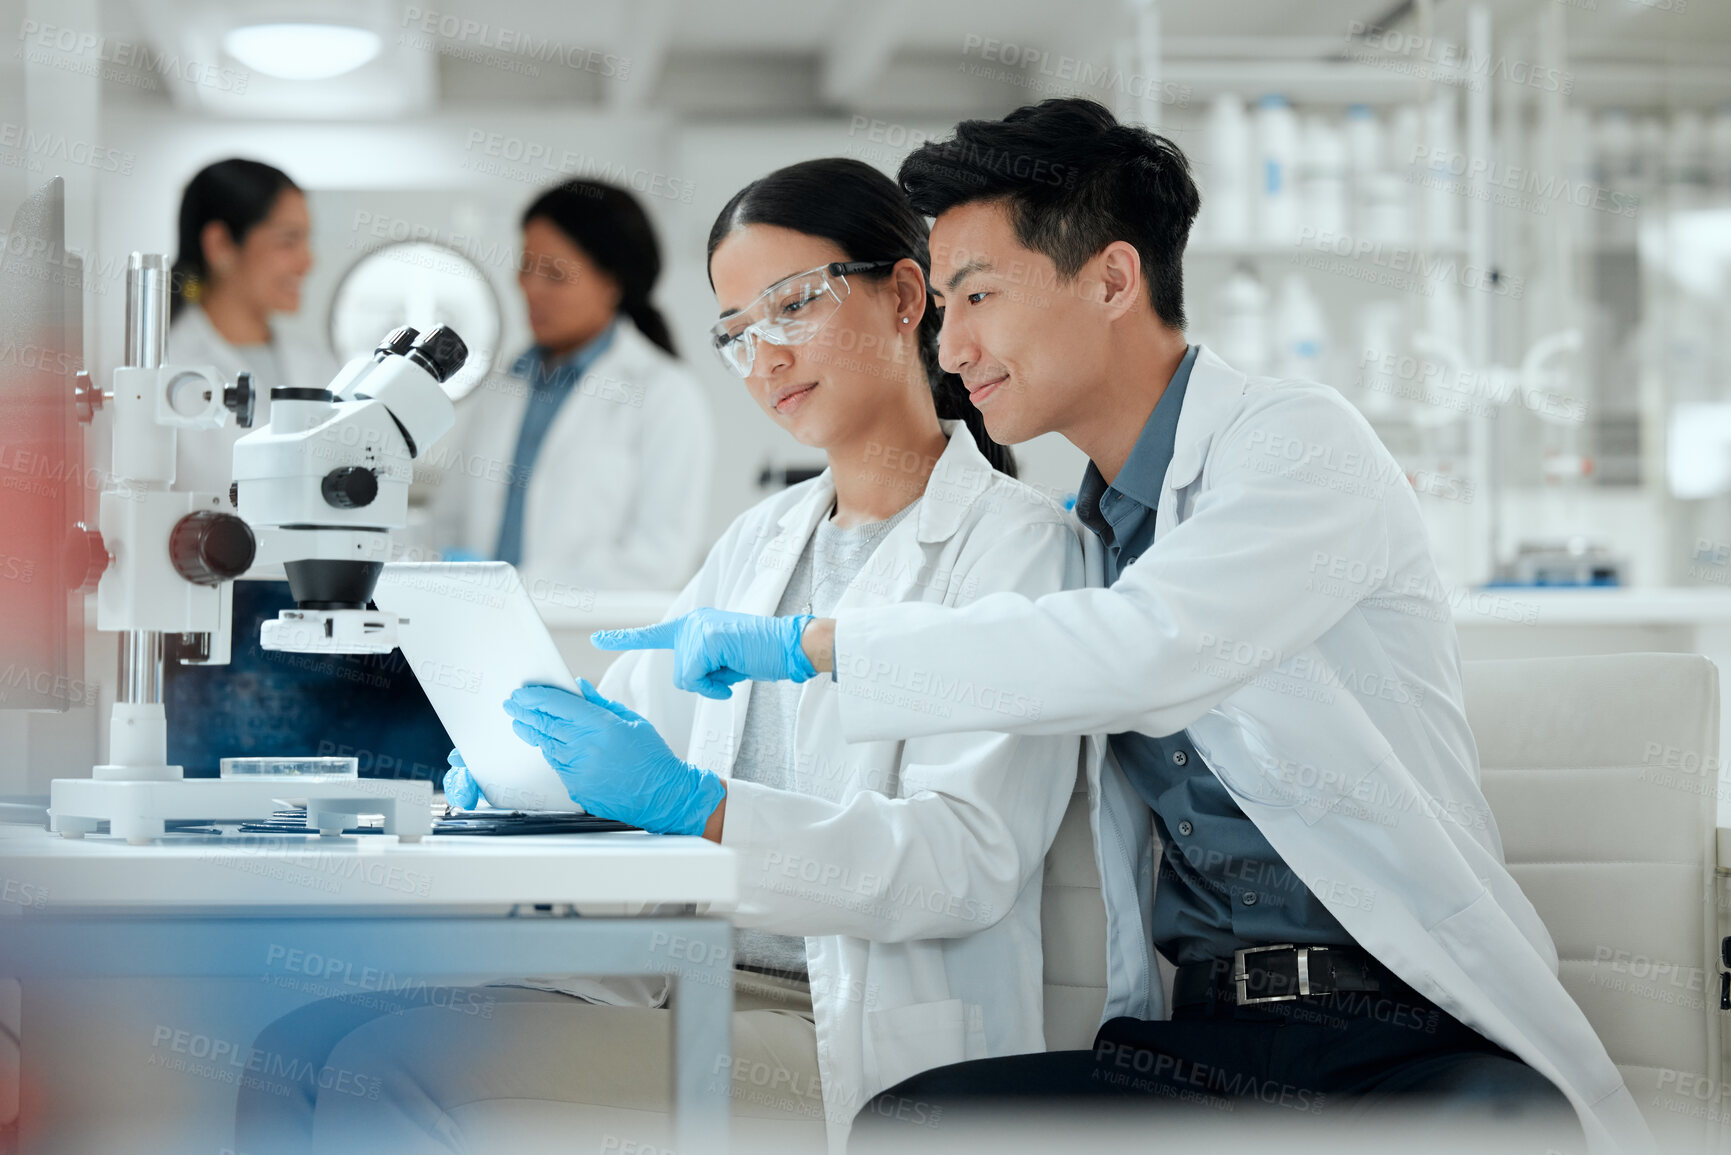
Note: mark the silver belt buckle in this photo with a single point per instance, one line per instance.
(1241, 976)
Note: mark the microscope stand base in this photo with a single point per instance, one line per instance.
(138, 810)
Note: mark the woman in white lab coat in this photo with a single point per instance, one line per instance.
(243, 253)
(589, 463)
(889, 891)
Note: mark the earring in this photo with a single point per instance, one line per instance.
(906, 320)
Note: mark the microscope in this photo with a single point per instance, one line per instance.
(328, 480)
(318, 491)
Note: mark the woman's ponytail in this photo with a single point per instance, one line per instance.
(649, 322)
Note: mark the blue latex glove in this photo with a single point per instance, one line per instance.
(612, 761)
(463, 555)
(460, 788)
(713, 649)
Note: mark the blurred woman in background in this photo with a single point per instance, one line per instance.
(590, 464)
(243, 253)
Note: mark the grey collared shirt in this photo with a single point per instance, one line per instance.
(1221, 885)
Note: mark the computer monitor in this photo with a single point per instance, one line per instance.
(270, 702)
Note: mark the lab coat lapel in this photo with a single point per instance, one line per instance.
(622, 362)
(495, 410)
(960, 477)
(544, 505)
(898, 567)
(775, 562)
(1210, 399)
(894, 572)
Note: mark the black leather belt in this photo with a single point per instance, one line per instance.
(1277, 974)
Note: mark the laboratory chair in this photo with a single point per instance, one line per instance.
(1603, 776)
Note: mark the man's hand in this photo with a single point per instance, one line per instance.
(713, 649)
(612, 762)
(818, 644)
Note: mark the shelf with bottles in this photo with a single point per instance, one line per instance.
(1278, 177)
(1393, 343)
(1371, 248)
(1280, 181)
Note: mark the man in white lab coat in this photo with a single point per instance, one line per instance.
(1284, 788)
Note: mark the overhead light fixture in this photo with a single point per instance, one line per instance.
(302, 51)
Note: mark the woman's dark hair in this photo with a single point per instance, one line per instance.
(608, 224)
(862, 212)
(1075, 180)
(240, 194)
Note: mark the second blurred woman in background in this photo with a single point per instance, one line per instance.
(589, 465)
(243, 253)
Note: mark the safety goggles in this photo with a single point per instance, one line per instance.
(790, 312)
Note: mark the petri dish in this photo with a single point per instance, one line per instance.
(302, 768)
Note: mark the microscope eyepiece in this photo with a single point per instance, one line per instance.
(398, 341)
(440, 352)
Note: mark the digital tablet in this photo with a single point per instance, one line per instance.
(471, 635)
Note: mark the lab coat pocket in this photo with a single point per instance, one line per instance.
(1325, 747)
(917, 1037)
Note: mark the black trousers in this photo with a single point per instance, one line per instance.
(1354, 1060)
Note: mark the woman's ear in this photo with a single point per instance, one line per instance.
(615, 289)
(909, 282)
(218, 247)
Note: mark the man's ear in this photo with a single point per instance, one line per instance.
(1118, 272)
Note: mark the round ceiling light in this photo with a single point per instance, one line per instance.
(302, 51)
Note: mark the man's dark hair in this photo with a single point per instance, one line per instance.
(1074, 181)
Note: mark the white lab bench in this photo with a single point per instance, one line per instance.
(451, 907)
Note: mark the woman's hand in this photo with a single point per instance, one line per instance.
(612, 762)
(460, 788)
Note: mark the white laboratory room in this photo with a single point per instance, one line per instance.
(547, 546)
